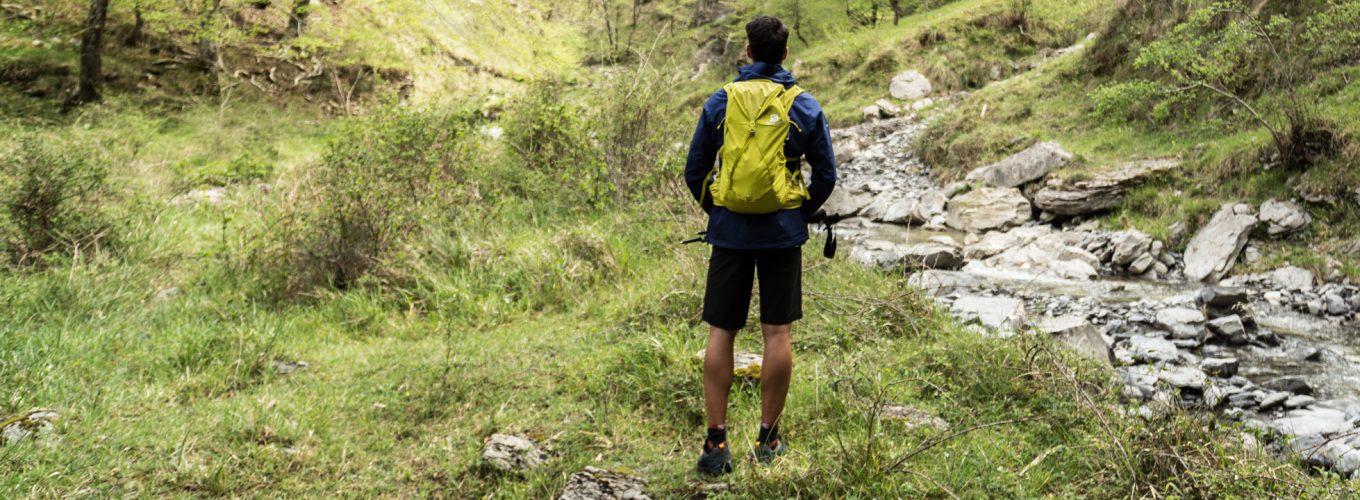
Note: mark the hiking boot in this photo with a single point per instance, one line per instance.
(765, 453)
(715, 460)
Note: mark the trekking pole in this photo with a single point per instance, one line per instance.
(827, 220)
(699, 236)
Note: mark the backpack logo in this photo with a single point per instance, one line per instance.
(774, 119)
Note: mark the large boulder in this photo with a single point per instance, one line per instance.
(512, 453)
(1182, 322)
(1129, 245)
(1214, 249)
(1024, 167)
(985, 209)
(1052, 256)
(1002, 314)
(909, 85)
(1283, 217)
(847, 202)
(995, 242)
(918, 210)
(1079, 335)
(1102, 191)
(599, 484)
(1294, 278)
(1313, 421)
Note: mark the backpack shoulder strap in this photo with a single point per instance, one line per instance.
(791, 95)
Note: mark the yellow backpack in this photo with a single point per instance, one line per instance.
(753, 176)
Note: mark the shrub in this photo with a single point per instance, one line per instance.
(637, 129)
(548, 134)
(51, 200)
(383, 179)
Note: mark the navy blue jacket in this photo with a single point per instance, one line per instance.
(811, 139)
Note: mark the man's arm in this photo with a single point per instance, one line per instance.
(821, 158)
(703, 148)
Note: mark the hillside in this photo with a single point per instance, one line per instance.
(343, 259)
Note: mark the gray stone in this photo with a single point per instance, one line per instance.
(1002, 314)
(1336, 306)
(1313, 421)
(912, 417)
(1129, 246)
(887, 108)
(599, 484)
(985, 209)
(512, 453)
(847, 202)
(1230, 329)
(1214, 249)
(1021, 168)
(909, 86)
(1183, 377)
(932, 255)
(1291, 383)
(937, 282)
(919, 210)
(1051, 256)
(1293, 278)
(1219, 367)
(1079, 335)
(1273, 399)
(1299, 401)
(1101, 192)
(1182, 322)
(1220, 297)
(1283, 217)
(868, 113)
(995, 242)
(1142, 264)
(744, 364)
(34, 424)
(1141, 349)
(285, 367)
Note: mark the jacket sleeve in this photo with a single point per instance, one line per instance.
(821, 157)
(703, 148)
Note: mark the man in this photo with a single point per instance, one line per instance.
(746, 245)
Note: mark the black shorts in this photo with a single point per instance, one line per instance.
(727, 297)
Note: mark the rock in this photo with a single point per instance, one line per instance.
(887, 108)
(1290, 384)
(1052, 256)
(1005, 315)
(847, 202)
(285, 367)
(1273, 400)
(1080, 335)
(1299, 401)
(1129, 246)
(936, 282)
(1313, 421)
(1183, 323)
(1283, 217)
(920, 210)
(868, 113)
(744, 364)
(995, 242)
(1141, 349)
(1214, 249)
(1332, 454)
(1143, 264)
(1293, 278)
(209, 196)
(932, 255)
(1336, 306)
(1219, 367)
(1222, 298)
(1021, 168)
(167, 294)
(1230, 329)
(1183, 377)
(599, 484)
(509, 453)
(31, 425)
(922, 104)
(912, 417)
(1100, 192)
(985, 209)
(909, 86)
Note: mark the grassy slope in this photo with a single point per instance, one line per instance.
(179, 397)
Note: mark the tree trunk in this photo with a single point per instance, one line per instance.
(897, 10)
(298, 17)
(91, 42)
(134, 37)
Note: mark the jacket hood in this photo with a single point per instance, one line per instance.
(771, 72)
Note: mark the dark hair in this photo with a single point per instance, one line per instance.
(769, 39)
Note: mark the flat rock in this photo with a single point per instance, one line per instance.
(913, 417)
(1293, 278)
(1313, 421)
(1079, 335)
(847, 202)
(512, 453)
(1024, 167)
(937, 282)
(932, 255)
(1230, 329)
(1100, 192)
(599, 484)
(1222, 297)
(1283, 217)
(909, 85)
(1142, 349)
(1182, 322)
(1214, 249)
(1219, 367)
(744, 364)
(919, 210)
(1129, 245)
(1299, 401)
(1002, 314)
(1291, 384)
(1051, 256)
(995, 242)
(31, 425)
(985, 209)
(1183, 377)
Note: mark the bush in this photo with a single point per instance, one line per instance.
(51, 201)
(383, 179)
(549, 136)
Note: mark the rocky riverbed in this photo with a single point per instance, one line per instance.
(1014, 248)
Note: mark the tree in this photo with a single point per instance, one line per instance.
(897, 10)
(91, 42)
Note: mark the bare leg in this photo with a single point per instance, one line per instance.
(776, 372)
(718, 375)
